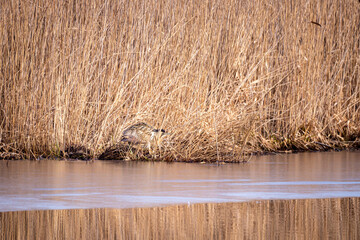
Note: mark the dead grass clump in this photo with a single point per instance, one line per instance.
(226, 78)
(117, 152)
(76, 152)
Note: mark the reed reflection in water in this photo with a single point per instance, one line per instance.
(272, 219)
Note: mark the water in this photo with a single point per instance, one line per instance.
(271, 219)
(52, 184)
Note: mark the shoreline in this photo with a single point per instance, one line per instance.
(82, 156)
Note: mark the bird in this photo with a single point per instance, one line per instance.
(143, 134)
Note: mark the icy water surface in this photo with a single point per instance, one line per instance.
(53, 184)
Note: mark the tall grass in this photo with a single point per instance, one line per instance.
(225, 77)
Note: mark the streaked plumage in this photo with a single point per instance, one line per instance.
(142, 133)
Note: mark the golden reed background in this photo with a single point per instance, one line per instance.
(226, 77)
(279, 219)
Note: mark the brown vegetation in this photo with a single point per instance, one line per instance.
(226, 78)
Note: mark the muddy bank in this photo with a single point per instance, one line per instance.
(125, 152)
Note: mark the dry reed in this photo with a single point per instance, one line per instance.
(227, 78)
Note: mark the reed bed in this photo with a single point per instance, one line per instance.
(226, 78)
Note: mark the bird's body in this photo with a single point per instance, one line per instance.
(142, 133)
